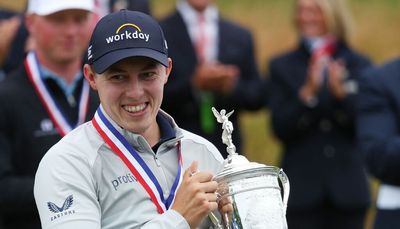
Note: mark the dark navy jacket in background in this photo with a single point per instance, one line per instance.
(378, 125)
(320, 155)
(379, 121)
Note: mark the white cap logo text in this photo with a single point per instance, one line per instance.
(128, 35)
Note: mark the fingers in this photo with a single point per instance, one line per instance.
(227, 208)
(212, 206)
(202, 181)
(225, 205)
(196, 196)
(194, 167)
(210, 187)
(191, 170)
(201, 176)
(211, 197)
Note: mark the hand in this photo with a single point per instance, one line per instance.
(216, 77)
(313, 81)
(337, 72)
(229, 79)
(196, 196)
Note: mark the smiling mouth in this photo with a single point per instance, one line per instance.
(134, 109)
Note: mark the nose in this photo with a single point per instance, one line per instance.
(134, 88)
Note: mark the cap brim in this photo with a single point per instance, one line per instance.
(103, 63)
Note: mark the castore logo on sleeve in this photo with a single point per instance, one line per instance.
(63, 210)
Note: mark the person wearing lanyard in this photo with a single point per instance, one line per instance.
(42, 100)
(131, 166)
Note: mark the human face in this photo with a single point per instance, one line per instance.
(310, 20)
(62, 36)
(131, 92)
(199, 5)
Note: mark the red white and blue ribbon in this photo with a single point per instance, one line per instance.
(56, 115)
(136, 164)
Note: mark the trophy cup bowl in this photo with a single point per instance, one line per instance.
(258, 193)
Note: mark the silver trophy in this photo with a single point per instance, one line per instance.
(252, 188)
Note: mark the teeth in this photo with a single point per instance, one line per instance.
(133, 109)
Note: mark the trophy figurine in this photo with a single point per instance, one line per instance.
(253, 188)
(227, 128)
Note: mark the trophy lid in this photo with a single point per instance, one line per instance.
(237, 166)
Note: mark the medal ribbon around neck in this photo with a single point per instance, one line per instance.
(49, 103)
(135, 163)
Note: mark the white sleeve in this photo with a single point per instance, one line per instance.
(65, 192)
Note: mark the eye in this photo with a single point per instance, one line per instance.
(81, 18)
(56, 19)
(116, 77)
(148, 75)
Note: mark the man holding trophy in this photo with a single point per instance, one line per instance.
(131, 166)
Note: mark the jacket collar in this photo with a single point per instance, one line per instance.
(303, 47)
(170, 132)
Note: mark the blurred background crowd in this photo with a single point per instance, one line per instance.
(265, 135)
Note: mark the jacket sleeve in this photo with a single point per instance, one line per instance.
(378, 127)
(65, 191)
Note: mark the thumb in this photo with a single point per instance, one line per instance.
(192, 169)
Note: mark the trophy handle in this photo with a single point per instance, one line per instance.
(215, 221)
(286, 188)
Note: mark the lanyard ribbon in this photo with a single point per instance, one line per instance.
(135, 163)
(56, 115)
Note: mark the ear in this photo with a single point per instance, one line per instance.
(168, 70)
(89, 75)
(29, 22)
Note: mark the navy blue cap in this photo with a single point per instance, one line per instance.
(126, 34)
